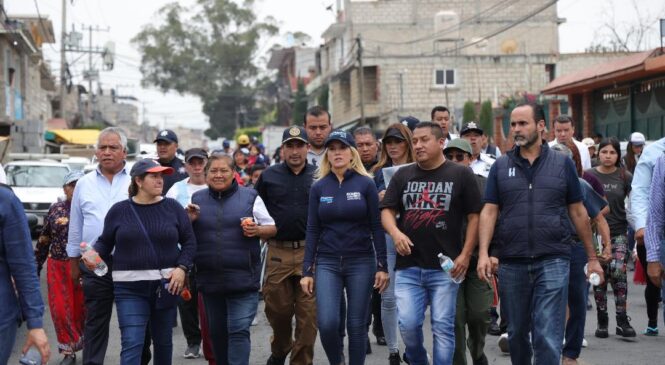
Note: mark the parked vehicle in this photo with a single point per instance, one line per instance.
(38, 184)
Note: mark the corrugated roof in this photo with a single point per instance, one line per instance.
(72, 136)
(598, 72)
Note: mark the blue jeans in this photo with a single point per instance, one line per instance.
(229, 319)
(388, 303)
(7, 340)
(577, 298)
(415, 288)
(333, 275)
(534, 296)
(135, 304)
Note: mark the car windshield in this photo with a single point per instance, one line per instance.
(36, 176)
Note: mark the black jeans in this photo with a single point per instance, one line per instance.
(651, 292)
(98, 294)
(189, 314)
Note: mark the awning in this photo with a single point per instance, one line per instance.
(72, 136)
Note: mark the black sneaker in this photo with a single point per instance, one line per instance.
(624, 329)
(394, 359)
(192, 352)
(494, 329)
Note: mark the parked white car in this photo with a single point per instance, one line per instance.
(38, 184)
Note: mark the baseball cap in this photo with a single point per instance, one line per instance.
(471, 127)
(393, 133)
(195, 152)
(294, 132)
(342, 136)
(637, 139)
(226, 143)
(166, 135)
(148, 165)
(589, 142)
(72, 176)
(243, 140)
(459, 143)
(410, 122)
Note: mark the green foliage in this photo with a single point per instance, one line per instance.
(486, 118)
(299, 103)
(469, 112)
(208, 51)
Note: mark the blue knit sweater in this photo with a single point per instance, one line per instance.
(343, 220)
(167, 225)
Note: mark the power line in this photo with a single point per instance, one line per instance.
(41, 24)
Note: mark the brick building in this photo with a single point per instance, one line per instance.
(418, 54)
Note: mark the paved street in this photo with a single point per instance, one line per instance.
(611, 351)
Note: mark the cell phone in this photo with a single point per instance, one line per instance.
(32, 357)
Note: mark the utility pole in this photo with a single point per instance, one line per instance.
(361, 78)
(92, 74)
(63, 60)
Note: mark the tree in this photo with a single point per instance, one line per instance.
(208, 51)
(485, 118)
(299, 103)
(469, 112)
(631, 36)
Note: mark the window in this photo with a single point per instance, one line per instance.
(445, 78)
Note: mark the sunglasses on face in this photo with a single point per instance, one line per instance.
(459, 157)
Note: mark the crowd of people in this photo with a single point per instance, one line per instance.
(342, 234)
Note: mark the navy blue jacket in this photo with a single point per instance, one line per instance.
(343, 220)
(17, 260)
(533, 202)
(226, 261)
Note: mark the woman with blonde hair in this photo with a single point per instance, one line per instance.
(345, 247)
(396, 150)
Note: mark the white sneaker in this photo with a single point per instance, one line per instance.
(584, 343)
(503, 343)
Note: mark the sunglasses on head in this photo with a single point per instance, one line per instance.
(452, 156)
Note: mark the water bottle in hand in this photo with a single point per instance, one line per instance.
(447, 264)
(594, 279)
(91, 258)
(32, 357)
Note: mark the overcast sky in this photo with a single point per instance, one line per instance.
(126, 17)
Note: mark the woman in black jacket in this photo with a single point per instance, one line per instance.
(228, 223)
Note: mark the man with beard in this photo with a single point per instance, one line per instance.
(318, 127)
(285, 189)
(536, 194)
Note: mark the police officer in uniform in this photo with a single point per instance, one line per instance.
(480, 162)
(285, 189)
(167, 146)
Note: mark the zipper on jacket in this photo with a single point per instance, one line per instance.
(530, 216)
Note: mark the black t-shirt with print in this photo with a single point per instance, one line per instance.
(432, 205)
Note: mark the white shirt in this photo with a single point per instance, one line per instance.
(584, 153)
(481, 166)
(261, 214)
(3, 176)
(176, 194)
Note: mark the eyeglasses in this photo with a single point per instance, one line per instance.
(459, 157)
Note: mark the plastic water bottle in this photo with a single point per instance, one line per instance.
(594, 279)
(91, 256)
(447, 264)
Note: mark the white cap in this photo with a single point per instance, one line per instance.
(637, 138)
(589, 142)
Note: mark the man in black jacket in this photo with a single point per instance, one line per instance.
(539, 194)
(285, 189)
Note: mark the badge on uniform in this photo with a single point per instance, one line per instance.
(326, 199)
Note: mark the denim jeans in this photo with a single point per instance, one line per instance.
(534, 295)
(135, 304)
(229, 318)
(7, 340)
(415, 288)
(388, 304)
(334, 275)
(577, 298)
